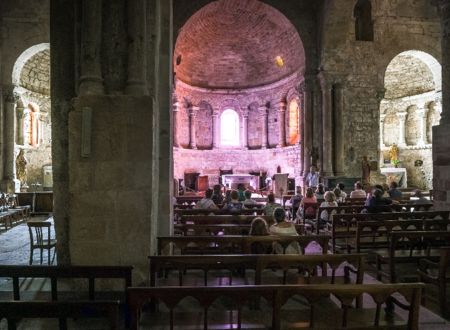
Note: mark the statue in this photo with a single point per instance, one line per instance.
(365, 169)
(21, 167)
(393, 153)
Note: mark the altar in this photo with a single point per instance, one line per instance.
(397, 174)
(232, 181)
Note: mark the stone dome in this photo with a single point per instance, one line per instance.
(237, 44)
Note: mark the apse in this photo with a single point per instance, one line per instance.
(238, 66)
(410, 108)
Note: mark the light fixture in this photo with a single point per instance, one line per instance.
(279, 61)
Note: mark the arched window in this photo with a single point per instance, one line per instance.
(363, 20)
(294, 131)
(229, 128)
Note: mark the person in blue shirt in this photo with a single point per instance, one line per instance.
(393, 192)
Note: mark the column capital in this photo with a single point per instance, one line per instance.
(245, 113)
(382, 117)
(282, 106)
(193, 110)
(176, 106)
(262, 109)
(325, 79)
(401, 115)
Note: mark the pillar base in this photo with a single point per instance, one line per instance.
(10, 185)
(441, 167)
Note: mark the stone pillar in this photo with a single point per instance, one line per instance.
(382, 118)
(401, 128)
(422, 114)
(9, 142)
(301, 123)
(215, 129)
(91, 81)
(327, 125)
(176, 109)
(136, 48)
(282, 124)
(192, 133)
(307, 120)
(245, 129)
(263, 112)
(339, 141)
(19, 122)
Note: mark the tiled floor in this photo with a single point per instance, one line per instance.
(14, 249)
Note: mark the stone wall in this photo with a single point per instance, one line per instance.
(210, 162)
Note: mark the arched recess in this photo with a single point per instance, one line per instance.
(31, 79)
(363, 20)
(229, 128)
(410, 108)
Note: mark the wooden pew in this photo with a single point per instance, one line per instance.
(62, 310)
(58, 272)
(185, 212)
(409, 247)
(234, 264)
(223, 219)
(437, 273)
(332, 210)
(317, 311)
(218, 228)
(343, 226)
(235, 244)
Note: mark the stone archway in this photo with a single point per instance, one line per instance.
(411, 106)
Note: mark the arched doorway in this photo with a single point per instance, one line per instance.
(244, 59)
(411, 106)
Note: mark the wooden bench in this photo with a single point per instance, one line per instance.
(409, 247)
(218, 229)
(184, 212)
(11, 217)
(343, 226)
(316, 309)
(235, 264)
(235, 244)
(62, 310)
(58, 272)
(437, 273)
(332, 210)
(222, 219)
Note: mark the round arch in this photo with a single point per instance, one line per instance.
(23, 58)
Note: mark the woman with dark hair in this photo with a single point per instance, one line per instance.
(377, 203)
(270, 205)
(233, 205)
(320, 191)
(259, 227)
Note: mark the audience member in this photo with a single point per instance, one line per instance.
(385, 190)
(259, 227)
(309, 198)
(358, 192)
(271, 205)
(206, 202)
(217, 196)
(393, 192)
(284, 228)
(320, 191)
(249, 202)
(338, 193)
(377, 203)
(330, 201)
(296, 199)
(312, 178)
(233, 205)
(241, 192)
(341, 186)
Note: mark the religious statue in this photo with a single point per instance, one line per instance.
(393, 152)
(365, 169)
(21, 167)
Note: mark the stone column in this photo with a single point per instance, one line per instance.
(282, 124)
(444, 10)
(9, 157)
(192, 133)
(301, 123)
(91, 81)
(136, 48)
(19, 122)
(215, 129)
(245, 129)
(263, 112)
(176, 109)
(422, 114)
(401, 128)
(307, 120)
(339, 141)
(327, 125)
(382, 118)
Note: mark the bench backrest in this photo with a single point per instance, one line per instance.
(218, 228)
(277, 295)
(223, 219)
(183, 212)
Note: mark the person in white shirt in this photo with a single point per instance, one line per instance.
(206, 202)
(284, 228)
(249, 202)
(341, 186)
(358, 192)
(312, 178)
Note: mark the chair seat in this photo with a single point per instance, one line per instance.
(52, 243)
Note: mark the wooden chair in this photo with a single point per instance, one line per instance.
(41, 239)
(438, 274)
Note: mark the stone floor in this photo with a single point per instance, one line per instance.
(14, 249)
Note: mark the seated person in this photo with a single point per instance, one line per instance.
(233, 205)
(341, 186)
(385, 189)
(249, 202)
(330, 201)
(217, 196)
(377, 203)
(206, 202)
(270, 205)
(284, 228)
(358, 192)
(241, 192)
(259, 227)
(393, 192)
(320, 191)
(338, 193)
(309, 198)
(296, 199)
